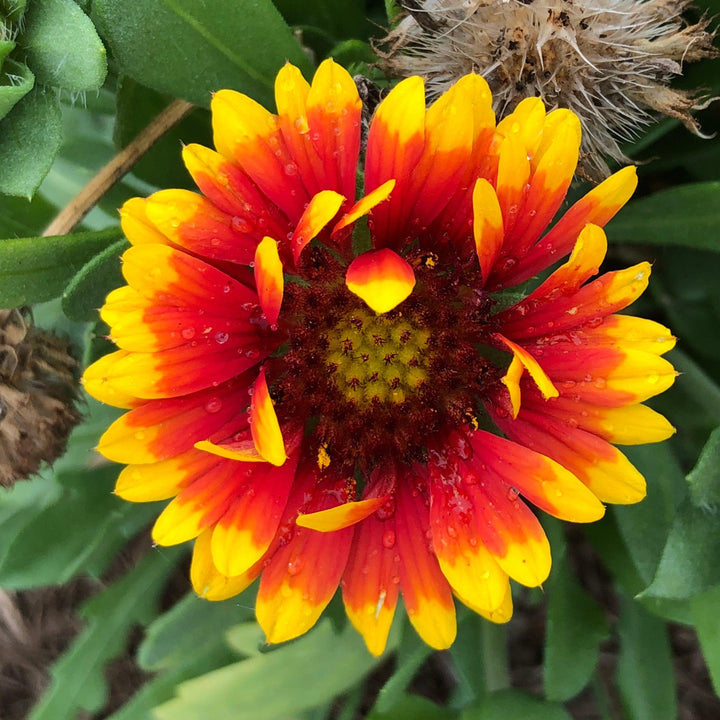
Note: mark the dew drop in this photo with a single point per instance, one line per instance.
(240, 225)
(221, 337)
(572, 422)
(188, 333)
(653, 379)
(295, 565)
(388, 539)
(291, 169)
(213, 405)
(251, 354)
(226, 289)
(512, 494)
(600, 383)
(451, 531)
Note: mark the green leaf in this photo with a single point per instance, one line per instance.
(62, 46)
(514, 705)
(412, 707)
(338, 18)
(205, 46)
(16, 82)
(278, 684)
(576, 626)
(690, 562)
(686, 215)
(412, 653)
(644, 526)
(86, 292)
(187, 625)
(78, 677)
(81, 531)
(30, 137)
(704, 478)
(37, 269)
(20, 217)
(210, 655)
(705, 617)
(162, 165)
(644, 671)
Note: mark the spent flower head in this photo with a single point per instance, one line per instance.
(333, 388)
(609, 61)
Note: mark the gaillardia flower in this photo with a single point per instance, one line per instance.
(341, 391)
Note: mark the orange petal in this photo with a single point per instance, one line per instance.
(305, 569)
(341, 516)
(381, 278)
(137, 227)
(371, 581)
(523, 360)
(426, 593)
(265, 427)
(364, 205)
(244, 532)
(243, 451)
(487, 226)
(269, 279)
(321, 210)
(545, 483)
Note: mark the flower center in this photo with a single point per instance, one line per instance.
(374, 386)
(377, 358)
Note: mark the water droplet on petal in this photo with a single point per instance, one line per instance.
(388, 539)
(188, 333)
(213, 405)
(221, 337)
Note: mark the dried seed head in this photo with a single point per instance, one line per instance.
(38, 390)
(609, 61)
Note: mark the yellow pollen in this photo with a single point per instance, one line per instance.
(323, 457)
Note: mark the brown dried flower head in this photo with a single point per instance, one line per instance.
(609, 61)
(38, 390)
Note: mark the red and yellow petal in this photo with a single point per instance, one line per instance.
(160, 429)
(201, 503)
(207, 581)
(265, 428)
(168, 276)
(395, 144)
(333, 112)
(320, 211)
(426, 593)
(544, 482)
(137, 227)
(488, 229)
(593, 302)
(381, 278)
(601, 467)
(341, 516)
(305, 566)
(193, 222)
(467, 564)
(232, 191)
(269, 279)
(244, 532)
(98, 383)
(598, 207)
(248, 135)
(371, 581)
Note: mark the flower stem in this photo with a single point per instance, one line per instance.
(117, 168)
(495, 660)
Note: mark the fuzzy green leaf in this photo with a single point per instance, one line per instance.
(16, 81)
(78, 677)
(86, 292)
(37, 269)
(687, 215)
(645, 672)
(30, 137)
(278, 684)
(62, 46)
(205, 46)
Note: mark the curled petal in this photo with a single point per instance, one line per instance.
(265, 427)
(381, 278)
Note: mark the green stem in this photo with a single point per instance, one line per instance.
(495, 659)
